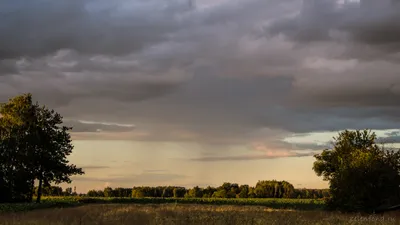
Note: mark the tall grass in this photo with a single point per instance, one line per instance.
(186, 214)
(49, 202)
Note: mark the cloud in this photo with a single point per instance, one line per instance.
(267, 155)
(43, 27)
(92, 126)
(392, 133)
(143, 178)
(232, 73)
(94, 167)
(154, 171)
(390, 140)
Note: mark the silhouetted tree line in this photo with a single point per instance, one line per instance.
(56, 191)
(263, 189)
(33, 147)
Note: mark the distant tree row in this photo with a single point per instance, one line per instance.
(56, 191)
(263, 189)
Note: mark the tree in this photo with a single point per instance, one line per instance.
(362, 176)
(179, 192)
(53, 147)
(108, 192)
(220, 193)
(38, 144)
(244, 191)
(92, 193)
(68, 191)
(17, 178)
(195, 192)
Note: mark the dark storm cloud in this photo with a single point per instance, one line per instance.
(236, 73)
(7, 67)
(361, 85)
(41, 27)
(64, 76)
(374, 25)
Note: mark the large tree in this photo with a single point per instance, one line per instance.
(17, 178)
(35, 138)
(362, 175)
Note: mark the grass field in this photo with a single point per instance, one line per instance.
(185, 214)
(144, 211)
(51, 202)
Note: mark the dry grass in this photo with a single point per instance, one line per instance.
(186, 215)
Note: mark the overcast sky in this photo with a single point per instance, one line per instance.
(195, 87)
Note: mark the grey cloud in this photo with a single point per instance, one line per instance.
(42, 27)
(392, 133)
(376, 25)
(78, 126)
(392, 137)
(7, 66)
(302, 146)
(65, 80)
(365, 84)
(217, 76)
(235, 111)
(133, 178)
(250, 157)
(390, 140)
(203, 111)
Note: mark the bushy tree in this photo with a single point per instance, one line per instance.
(33, 146)
(179, 192)
(244, 191)
(362, 176)
(195, 192)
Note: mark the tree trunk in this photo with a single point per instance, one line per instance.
(39, 194)
(32, 191)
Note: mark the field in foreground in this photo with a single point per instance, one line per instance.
(185, 214)
(51, 202)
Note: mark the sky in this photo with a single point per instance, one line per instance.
(203, 92)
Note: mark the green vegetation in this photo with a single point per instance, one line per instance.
(48, 202)
(362, 176)
(263, 189)
(33, 146)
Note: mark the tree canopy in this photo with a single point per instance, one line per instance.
(33, 146)
(362, 176)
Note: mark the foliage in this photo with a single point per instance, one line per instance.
(263, 189)
(362, 175)
(33, 146)
(274, 189)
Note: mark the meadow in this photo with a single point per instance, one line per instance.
(185, 214)
(76, 210)
(63, 202)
